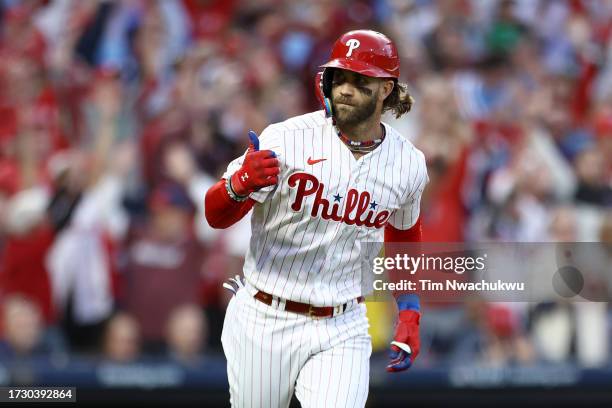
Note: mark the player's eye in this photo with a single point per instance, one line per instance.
(338, 80)
(365, 90)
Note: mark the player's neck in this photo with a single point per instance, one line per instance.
(363, 131)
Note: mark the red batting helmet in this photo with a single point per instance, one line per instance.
(366, 52)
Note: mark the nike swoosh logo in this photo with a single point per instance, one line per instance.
(311, 162)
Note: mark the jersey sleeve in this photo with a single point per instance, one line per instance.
(268, 140)
(407, 215)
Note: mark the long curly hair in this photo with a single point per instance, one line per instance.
(399, 100)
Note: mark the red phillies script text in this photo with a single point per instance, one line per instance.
(307, 184)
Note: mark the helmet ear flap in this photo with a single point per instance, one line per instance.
(323, 82)
(326, 81)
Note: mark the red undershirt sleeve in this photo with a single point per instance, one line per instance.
(394, 236)
(220, 210)
(413, 234)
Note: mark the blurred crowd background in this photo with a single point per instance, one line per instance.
(116, 116)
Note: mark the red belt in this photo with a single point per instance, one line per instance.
(304, 308)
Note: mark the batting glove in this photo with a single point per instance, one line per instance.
(234, 284)
(406, 343)
(259, 169)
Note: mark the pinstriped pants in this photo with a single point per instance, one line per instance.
(272, 353)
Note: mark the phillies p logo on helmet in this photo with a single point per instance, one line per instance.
(352, 44)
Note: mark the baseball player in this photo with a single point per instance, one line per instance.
(319, 184)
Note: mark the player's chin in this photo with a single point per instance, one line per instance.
(343, 111)
(345, 114)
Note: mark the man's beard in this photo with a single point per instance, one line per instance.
(355, 114)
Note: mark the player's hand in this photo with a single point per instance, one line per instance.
(234, 284)
(406, 342)
(260, 169)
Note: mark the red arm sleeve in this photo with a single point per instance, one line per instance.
(394, 235)
(413, 234)
(220, 210)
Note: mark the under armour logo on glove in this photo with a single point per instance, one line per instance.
(259, 169)
(406, 343)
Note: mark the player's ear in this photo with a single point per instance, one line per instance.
(387, 88)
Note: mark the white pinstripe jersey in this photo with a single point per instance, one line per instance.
(307, 230)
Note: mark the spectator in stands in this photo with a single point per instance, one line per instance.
(122, 339)
(23, 331)
(506, 30)
(29, 237)
(506, 339)
(603, 132)
(593, 186)
(551, 324)
(186, 334)
(495, 334)
(82, 260)
(164, 263)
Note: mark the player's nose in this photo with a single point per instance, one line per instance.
(346, 89)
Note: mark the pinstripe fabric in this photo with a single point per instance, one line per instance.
(305, 246)
(272, 353)
(311, 259)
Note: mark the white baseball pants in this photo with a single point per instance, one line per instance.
(271, 353)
